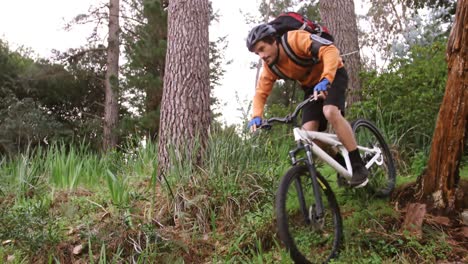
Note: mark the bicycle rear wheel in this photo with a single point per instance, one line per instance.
(382, 177)
(308, 237)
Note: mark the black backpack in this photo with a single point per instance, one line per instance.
(293, 21)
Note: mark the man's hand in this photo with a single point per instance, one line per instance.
(254, 123)
(320, 90)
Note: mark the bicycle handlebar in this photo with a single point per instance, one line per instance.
(290, 118)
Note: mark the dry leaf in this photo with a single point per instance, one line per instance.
(104, 215)
(70, 231)
(77, 249)
(6, 242)
(465, 231)
(441, 220)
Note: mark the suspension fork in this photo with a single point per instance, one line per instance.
(298, 183)
(315, 184)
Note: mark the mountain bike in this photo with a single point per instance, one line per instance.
(308, 216)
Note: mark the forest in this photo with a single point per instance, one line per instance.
(116, 152)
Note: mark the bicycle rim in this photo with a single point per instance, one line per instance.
(382, 177)
(307, 240)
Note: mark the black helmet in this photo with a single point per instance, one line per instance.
(258, 33)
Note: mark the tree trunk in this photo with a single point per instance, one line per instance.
(111, 111)
(438, 183)
(340, 18)
(185, 108)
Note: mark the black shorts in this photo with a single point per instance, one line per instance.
(336, 96)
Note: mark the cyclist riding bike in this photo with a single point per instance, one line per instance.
(326, 79)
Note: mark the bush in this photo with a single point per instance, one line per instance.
(404, 100)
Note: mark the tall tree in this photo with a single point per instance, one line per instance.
(43, 101)
(145, 50)
(340, 18)
(392, 27)
(111, 112)
(437, 185)
(185, 108)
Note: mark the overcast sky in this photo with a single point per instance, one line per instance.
(39, 24)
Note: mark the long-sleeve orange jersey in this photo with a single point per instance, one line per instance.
(329, 61)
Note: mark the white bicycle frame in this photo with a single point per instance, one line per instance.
(307, 137)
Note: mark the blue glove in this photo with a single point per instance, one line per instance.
(322, 85)
(255, 121)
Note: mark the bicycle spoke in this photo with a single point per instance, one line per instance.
(314, 238)
(382, 174)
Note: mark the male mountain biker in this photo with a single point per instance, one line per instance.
(326, 80)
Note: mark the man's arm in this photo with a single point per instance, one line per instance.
(264, 86)
(330, 56)
(309, 45)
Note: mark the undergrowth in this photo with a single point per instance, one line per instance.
(113, 209)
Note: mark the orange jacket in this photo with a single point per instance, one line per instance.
(300, 42)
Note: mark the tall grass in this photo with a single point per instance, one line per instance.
(141, 158)
(70, 166)
(405, 141)
(225, 206)
(118, 189)
(23, 175)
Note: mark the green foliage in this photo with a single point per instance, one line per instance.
(70, 166)
(145, 49)
(308, 9)
(448, 5)
(42, 101)
(24, 176)
(404, 100)
(284, 95)
(221, 212)
(30, 226)
(118, 189)
(141, 158)
(145, 46)
(419, 162)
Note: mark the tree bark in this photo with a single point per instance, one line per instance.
(185, 108)
(111, 111)
(340, 18)
(438, 183)
(415, 213)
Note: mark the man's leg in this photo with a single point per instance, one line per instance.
(311, 125)
(345, 134)
(314, 125)
(341, 126)
(313, 118)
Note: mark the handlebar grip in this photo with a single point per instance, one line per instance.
(265, 125)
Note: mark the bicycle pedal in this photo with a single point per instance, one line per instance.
(361, 185)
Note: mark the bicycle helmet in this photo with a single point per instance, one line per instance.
(258, 33)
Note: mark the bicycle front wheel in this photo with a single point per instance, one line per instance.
(309, 236)
(382, 173)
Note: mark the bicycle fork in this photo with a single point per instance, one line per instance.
(315, 213)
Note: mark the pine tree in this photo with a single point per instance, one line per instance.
(185, 109)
